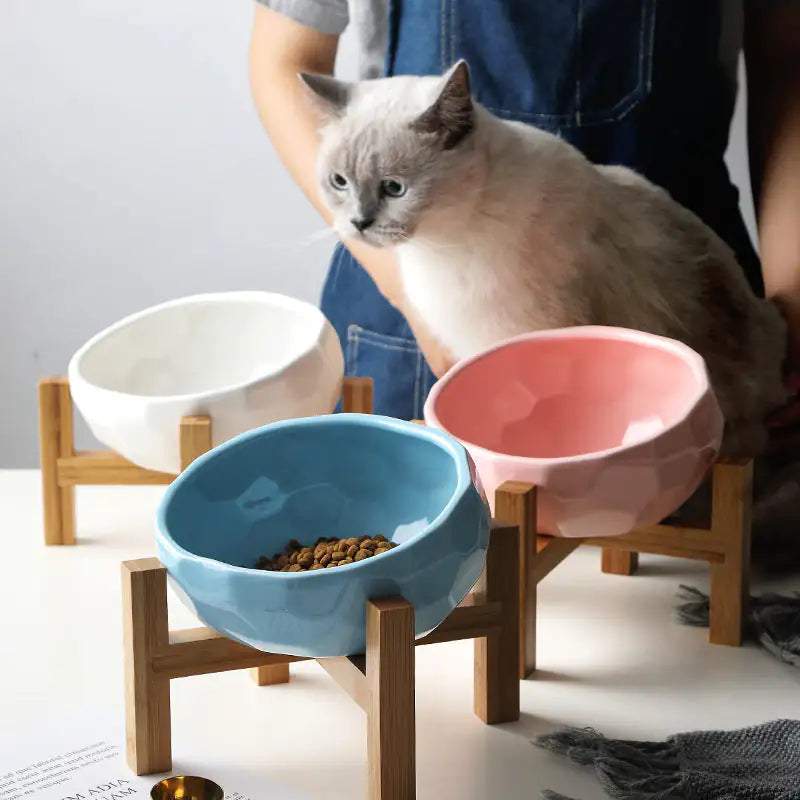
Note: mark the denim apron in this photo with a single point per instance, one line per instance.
(631, 82)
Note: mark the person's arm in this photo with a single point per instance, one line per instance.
(279, 49)
(772, 52)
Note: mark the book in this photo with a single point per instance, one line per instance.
(81, 756)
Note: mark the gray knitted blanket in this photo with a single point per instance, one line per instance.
(757, 763)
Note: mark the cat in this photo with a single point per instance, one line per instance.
(501, 228)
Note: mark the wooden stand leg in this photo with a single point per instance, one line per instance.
(195, 439)
(390, 715)
(56, 441)
(497, 656)
(515, 503)
(271, 676)
(619, 562)
(730, 578)
(357, 396)
(147, 707)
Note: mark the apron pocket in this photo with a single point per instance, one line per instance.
(553, 63)
(397, 367)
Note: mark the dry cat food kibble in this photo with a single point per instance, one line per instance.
(325, 553)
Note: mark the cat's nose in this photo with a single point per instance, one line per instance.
(362, 224)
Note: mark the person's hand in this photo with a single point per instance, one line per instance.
(772, 53)
(784, 423)
(789, 415)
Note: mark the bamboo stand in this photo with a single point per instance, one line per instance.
(64, 468)
(380, 682)
(724, 543)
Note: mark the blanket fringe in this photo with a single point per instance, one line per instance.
(694, 608)
(774, 618)
(627, 770)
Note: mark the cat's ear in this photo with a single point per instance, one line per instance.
(452, 115)
(330, 95)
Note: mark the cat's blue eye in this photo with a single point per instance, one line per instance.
(338, 181)
(392, 188)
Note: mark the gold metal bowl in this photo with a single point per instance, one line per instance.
(187, 787)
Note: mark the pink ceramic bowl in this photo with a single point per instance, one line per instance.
(617, 428)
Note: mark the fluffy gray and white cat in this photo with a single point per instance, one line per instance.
(501, 228)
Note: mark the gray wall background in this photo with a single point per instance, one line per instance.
(133, 169)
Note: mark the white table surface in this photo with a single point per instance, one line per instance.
(610, 657)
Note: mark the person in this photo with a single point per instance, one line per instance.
(650, 85)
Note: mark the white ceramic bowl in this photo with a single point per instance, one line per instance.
(245, 359)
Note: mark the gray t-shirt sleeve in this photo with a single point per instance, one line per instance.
(325, 16)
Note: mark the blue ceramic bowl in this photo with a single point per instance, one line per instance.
(337, 475)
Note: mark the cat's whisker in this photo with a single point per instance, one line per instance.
(320, 235)
(303, 241)
(432, 244)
